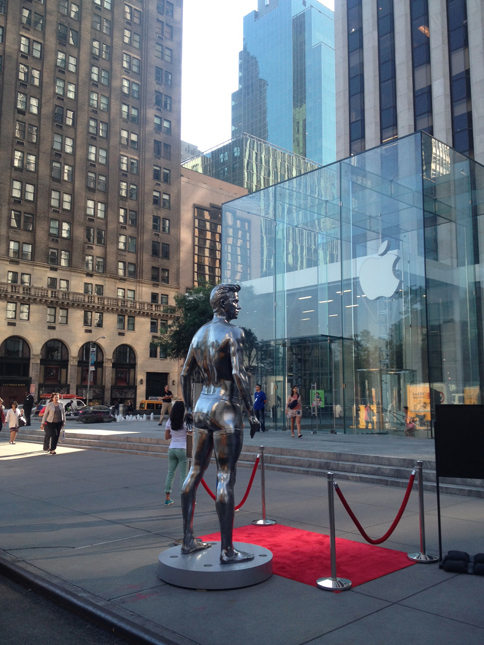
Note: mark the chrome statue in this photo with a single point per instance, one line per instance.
(217, 349)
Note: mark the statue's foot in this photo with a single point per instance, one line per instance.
(234, 556)
(194, 544)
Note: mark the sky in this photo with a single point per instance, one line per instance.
(212, 40)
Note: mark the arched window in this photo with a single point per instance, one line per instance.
(96, 395)
(14, 369)
(124, 354)
(124, 375)
(54, 363)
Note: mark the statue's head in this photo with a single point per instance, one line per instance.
(224, 300)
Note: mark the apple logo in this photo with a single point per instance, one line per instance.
(377, 277)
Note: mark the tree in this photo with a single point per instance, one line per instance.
(192, 310)
(251, 350)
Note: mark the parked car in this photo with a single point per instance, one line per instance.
(71, 403)
(95, 414)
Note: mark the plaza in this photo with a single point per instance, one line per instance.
(91, 523)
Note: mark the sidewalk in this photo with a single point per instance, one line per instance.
(367, 444)
(93, 522)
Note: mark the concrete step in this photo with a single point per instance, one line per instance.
(371, 469)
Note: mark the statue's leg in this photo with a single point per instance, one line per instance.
(202, 452)
(228, 446)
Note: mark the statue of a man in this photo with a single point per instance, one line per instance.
(217, 349)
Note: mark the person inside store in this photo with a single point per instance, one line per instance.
(294, 410)
(166, 405)
(259, 403)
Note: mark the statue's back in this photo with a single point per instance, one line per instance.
(212, 346)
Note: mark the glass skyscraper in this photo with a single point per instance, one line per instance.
(286, 89)
(249, 162)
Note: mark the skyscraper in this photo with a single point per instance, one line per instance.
(89, 186)
(286, 89)
(407, 66)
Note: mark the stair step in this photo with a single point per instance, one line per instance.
(374, 469)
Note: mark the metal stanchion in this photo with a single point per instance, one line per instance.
(421, 557)
(334, 583)
(263, 521)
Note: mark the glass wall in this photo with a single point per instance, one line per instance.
(359, 286)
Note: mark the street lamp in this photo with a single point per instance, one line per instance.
(89, 362)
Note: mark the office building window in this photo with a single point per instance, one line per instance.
(460, 81)
(355, 76)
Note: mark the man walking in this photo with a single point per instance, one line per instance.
(28, 405)
(166, 405)
(217, 349)
(259, 403)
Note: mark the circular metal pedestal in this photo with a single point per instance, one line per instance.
(423, 558)
(203, 569)
(264, 522)
(334, 584)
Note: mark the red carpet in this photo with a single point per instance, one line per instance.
(303, 556)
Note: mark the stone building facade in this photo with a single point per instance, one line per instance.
(90, 95)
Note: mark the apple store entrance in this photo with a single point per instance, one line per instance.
(360, 285)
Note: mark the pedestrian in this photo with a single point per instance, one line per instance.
(166, 405)
(294, 410)
(368, 416)
(176, 430)
(259, 402)
(28, 405)
(2, 413)
(53, 421)
(409, 423)
(12, 420)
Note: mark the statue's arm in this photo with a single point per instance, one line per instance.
(241, 379)
(185, 379)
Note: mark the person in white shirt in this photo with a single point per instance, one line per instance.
(176, 430)
(12, 420)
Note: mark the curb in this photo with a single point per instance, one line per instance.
(87, 609)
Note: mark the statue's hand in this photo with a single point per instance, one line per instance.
(254, 425)
(188, 418)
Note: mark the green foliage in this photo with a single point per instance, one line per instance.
(192, 310)
(251, 349)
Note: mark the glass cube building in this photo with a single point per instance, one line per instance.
(361, 284)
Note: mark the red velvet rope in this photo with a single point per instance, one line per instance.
(251, 481)
(395, 521)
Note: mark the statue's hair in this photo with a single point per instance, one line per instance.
(221, 292)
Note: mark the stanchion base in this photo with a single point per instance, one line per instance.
(334, 584)
(423, 558)
(264, 522)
